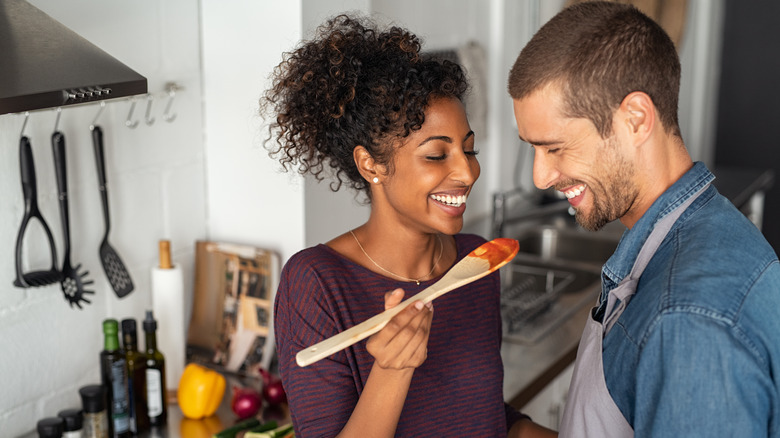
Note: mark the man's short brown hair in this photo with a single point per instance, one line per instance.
(598, 53)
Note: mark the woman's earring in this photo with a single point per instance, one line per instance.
(376, 180)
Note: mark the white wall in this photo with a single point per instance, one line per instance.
(249, 200)
(156, 180)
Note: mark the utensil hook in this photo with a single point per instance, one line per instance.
(148, 118)
(130, 123)
(97, 116)
(167, 116)
(24, 124)
(57, 120)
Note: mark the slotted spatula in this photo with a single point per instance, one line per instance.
(74, 280)
(115, 270)
(482, 261)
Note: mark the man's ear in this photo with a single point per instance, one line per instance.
(637, 115)
(368, 168)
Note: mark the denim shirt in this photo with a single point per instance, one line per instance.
(696, 353)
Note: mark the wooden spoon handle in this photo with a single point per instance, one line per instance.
(482, 261)
(365, 329)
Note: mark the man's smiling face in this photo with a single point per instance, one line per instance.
(570, 156)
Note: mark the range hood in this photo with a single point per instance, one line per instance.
(43, 64)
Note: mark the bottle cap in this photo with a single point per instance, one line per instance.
(150, 324)
(93, 398)
(73, 419)
(128, 325)
(110, 326)
(50, 427)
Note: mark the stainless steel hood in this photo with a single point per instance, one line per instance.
(43, 64)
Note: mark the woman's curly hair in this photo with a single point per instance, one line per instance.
(352, 85)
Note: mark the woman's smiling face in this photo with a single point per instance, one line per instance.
(433, 170)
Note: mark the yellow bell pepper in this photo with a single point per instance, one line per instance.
(200, 391)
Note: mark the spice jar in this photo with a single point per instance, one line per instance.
(50, 427)
(73, 425)
(95, 422)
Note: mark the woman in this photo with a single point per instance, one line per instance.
(391, 124)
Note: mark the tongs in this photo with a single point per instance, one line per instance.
(31, 211)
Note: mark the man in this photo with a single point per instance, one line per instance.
(685, 340)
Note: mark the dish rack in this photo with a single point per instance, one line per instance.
(531, 292)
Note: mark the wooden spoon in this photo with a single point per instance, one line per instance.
(485, 259)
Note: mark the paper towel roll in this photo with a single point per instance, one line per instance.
(168, 306)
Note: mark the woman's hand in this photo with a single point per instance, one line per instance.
(403, 342)
(399, 348)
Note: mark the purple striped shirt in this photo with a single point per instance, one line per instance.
(457, 392)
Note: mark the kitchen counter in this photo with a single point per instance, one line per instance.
(529, 368)
(179, 427)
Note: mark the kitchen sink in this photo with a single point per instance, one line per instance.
(554, 243)
(556, 272)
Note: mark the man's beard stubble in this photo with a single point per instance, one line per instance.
(613, 194)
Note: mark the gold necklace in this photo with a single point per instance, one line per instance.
(441, 252)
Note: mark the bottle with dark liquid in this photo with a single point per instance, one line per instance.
(156, 399)
(136, 377)
(113, 370)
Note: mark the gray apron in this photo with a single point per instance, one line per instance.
(590, 410)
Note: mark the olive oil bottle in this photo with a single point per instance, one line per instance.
(113, 370)
(156, 399)
(136, 377)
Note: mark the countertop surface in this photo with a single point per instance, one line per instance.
(529, 368)
(179, 427)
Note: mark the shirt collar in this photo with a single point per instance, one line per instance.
(620, 263)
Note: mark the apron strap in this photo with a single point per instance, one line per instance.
(627, 287)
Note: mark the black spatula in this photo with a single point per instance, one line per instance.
(74, 280)
(115, 270)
